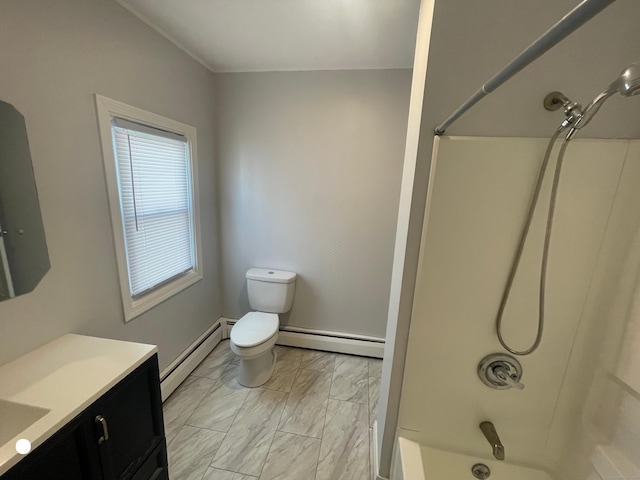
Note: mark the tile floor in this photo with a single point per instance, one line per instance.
(310, 421)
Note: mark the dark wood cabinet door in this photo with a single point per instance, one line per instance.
(126, 444)
(132, 413)
(70, 454)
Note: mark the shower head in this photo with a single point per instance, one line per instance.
(627, 84)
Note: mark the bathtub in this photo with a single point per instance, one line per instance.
(415, 462)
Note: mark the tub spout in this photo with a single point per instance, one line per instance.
(492, 437)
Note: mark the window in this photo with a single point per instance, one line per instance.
(151, 173)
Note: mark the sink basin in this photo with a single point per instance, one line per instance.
(17, 417)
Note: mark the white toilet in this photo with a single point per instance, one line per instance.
(254, 335)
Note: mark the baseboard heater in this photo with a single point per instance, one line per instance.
(172, 376)
(327, 341)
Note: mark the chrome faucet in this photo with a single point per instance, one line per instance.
(492, 437)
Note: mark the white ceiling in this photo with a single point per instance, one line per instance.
(274, 35)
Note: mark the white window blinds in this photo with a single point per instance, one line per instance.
(154, 182)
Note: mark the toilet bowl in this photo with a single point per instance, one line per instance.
(252, 339)
(254, 336)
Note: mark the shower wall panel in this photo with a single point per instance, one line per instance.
(480, 193)
(596, 427)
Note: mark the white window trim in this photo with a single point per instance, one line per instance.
(107, 109)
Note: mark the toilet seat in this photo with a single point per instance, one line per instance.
(254, 328)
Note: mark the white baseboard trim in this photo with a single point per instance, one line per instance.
(172, 376)
(375, 462)
(324, 340)
(314, 341)
(224, 323)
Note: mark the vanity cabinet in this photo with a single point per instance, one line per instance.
(119, 437)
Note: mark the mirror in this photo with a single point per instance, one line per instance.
(24, 259)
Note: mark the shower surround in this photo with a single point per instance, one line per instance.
(479, 194)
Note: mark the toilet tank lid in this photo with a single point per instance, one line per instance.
(270, 275)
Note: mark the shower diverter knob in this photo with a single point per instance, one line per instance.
(500, 371)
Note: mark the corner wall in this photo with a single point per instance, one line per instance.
(54, 57)
(310, 167)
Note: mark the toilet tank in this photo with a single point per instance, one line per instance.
(270, 290)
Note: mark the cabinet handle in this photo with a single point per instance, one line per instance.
(105, 430)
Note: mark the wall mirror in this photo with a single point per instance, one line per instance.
(24, 259)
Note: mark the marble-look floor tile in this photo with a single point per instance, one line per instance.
(223, 347)
(350, 379)
(182, 402)
(217, 474)
(221, 404)
(287, 363)
(245, 448)
(191, 451)
(216, 362)
(307, 404)
(344, 452)
(235, 360)
(314, 360)
(291, 353)
(291, 457)
(374, 393)
(375, 367)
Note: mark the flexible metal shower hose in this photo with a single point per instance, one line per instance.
(545, 251)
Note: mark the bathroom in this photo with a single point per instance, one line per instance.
(58, 57)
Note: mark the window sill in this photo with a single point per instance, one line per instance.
(134, 308)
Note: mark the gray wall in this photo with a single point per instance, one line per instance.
(310, 168)
(54, 57)
(473, 40)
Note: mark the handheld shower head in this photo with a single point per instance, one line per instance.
(629, 80)
(627, 84)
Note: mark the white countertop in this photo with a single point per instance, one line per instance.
(64, 376)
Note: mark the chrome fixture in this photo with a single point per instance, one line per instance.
(627, 84)
(547, 237)
(100, 420)
(500, 371)
(481, 471)
(557, 100)
(490, 433)
(492, 437)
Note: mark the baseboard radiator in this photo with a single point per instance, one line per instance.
(172, 376)
(323, 340)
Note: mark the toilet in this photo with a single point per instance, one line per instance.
(254, 336)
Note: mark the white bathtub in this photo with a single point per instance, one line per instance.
(416, 462)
